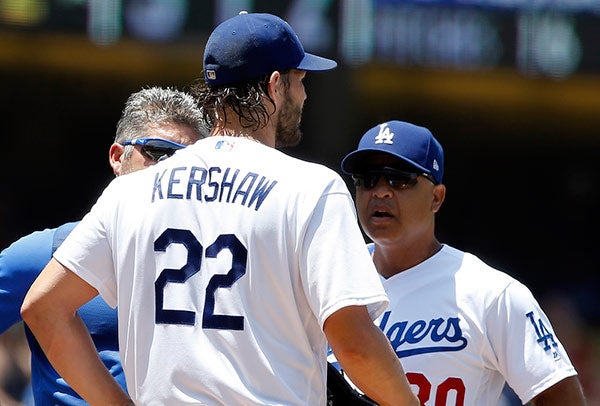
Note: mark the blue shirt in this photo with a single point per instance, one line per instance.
(20, 264)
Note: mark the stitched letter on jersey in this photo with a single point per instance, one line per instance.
(421, 337)
(212, 184)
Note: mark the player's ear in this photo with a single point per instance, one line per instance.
(115, 157)
(274, 87)
(439, 195)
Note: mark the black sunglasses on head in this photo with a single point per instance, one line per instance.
(155, 149)
(396, 178)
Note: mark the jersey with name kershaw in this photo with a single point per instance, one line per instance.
(225, 260)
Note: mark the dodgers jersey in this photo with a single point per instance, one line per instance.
(20, 264)
(220, 260)
(462, 329)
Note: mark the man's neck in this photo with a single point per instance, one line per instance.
(263, 135)
(391, 260)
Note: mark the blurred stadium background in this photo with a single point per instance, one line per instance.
(511, 88)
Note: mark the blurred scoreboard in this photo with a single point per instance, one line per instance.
(553, 38)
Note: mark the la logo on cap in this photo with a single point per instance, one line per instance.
(385, 135)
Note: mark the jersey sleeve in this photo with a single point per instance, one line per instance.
(529, 354)
(87, 251)
(20, 264)
(339, 270)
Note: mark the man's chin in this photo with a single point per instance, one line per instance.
(289, 140)
(380, 231)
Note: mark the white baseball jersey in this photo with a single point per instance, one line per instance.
(225, 260)
(462, 329)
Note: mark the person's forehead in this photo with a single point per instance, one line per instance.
(178, 132)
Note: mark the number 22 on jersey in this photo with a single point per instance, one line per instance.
(195, 255)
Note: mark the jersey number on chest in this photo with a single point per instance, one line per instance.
(442, 392)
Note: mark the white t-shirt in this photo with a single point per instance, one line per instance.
(462, 329)
(225, 260)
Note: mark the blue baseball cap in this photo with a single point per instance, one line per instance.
(251, 45)
(413, 144)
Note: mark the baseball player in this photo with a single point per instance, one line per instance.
(155, 123)
(219, 257)
(461, 328)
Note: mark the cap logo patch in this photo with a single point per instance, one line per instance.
(211, 74)
(435, 165)
(385, 135)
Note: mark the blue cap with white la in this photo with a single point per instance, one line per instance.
(411, 143)
(251, 45)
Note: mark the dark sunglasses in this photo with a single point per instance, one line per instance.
(396, 178)
(155, 149)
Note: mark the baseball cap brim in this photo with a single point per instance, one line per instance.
(312, 62)
(354, 161)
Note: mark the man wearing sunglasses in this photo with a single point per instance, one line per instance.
(461, 328)
(155, 123)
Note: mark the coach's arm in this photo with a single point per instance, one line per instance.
(566, 392)
(50, 311)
